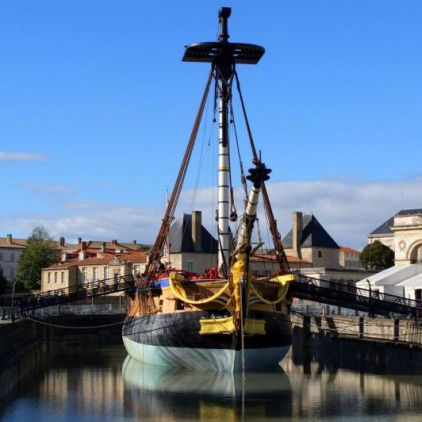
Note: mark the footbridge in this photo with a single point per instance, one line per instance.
(307, 288)
(351, 297)
(28, 303)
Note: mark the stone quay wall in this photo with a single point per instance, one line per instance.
(399, 330)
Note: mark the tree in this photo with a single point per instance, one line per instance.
(3, 281)
(40, 252)
(377, 256)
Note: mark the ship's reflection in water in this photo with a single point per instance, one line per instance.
(108, 386)
(174, 393)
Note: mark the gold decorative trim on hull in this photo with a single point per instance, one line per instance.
(217, 326)
(254, 327)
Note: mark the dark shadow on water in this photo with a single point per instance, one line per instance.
(332, 353)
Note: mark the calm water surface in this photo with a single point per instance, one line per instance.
(106, 385)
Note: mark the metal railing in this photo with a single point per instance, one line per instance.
(352, 297)
(31, 302)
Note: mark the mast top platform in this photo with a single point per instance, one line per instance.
(222, 49)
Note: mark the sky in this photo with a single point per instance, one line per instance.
(96, 108)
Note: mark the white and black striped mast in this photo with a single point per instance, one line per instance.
(223, 55)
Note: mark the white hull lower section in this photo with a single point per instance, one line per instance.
(206, 359)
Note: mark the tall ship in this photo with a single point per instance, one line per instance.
(229, 317)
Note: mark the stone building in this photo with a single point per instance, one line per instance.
(403, 234)
(349, 258)
(90, 264)
(10, 252)
(309, 240)
(192, 247)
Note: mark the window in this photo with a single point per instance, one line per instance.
(319, 254)
(189, 266)
(1, 256)
(48, 277)
(84, 275)
(11, 272)
(116, 276)
(12, 257)
(136, 269)
(62, 277)
(95, 273)
(106, 272)
(55, 277)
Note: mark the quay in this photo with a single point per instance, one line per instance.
(27, 342)
(358, 342)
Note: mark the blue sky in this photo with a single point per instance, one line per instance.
(96, 108)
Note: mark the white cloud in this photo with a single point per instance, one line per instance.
(49, 189)
(21, 156)
(348, 211)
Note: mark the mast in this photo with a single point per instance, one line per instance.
(224, 76)
(223, 55)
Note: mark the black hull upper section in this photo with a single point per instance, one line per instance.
(181, 329)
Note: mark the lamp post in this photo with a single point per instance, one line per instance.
(13, 302)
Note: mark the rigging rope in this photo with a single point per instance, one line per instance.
(280, 254)
(75, 327)
(157, 249)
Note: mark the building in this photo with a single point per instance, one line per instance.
(309, 240)
(403, 234)
(10, 252)
(192, 247)
(349, 258)
(89, 263)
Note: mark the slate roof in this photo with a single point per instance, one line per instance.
(384, 228)
(313, 235)
(181, 237)
(410, 212)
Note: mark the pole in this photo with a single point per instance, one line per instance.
(13, 302)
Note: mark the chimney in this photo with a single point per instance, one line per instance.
(64, 256)
(103, 247)
(196, 230)
(114, 242)
(83, 245)
(9, 238)
(297, 233)
(134, 242)
(79, 240)
(62, 241)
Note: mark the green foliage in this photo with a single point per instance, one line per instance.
(40, 252)
(142, 247)
(377, 256)
(3, 281)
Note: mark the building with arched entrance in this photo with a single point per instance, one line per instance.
(403, 234)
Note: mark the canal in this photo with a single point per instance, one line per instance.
(103, 384)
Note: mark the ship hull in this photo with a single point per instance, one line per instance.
(174, 340)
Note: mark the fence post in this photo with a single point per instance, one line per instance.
(361, 326)
(306, 331)
(396, 329)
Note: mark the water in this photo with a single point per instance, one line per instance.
(105, 385)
